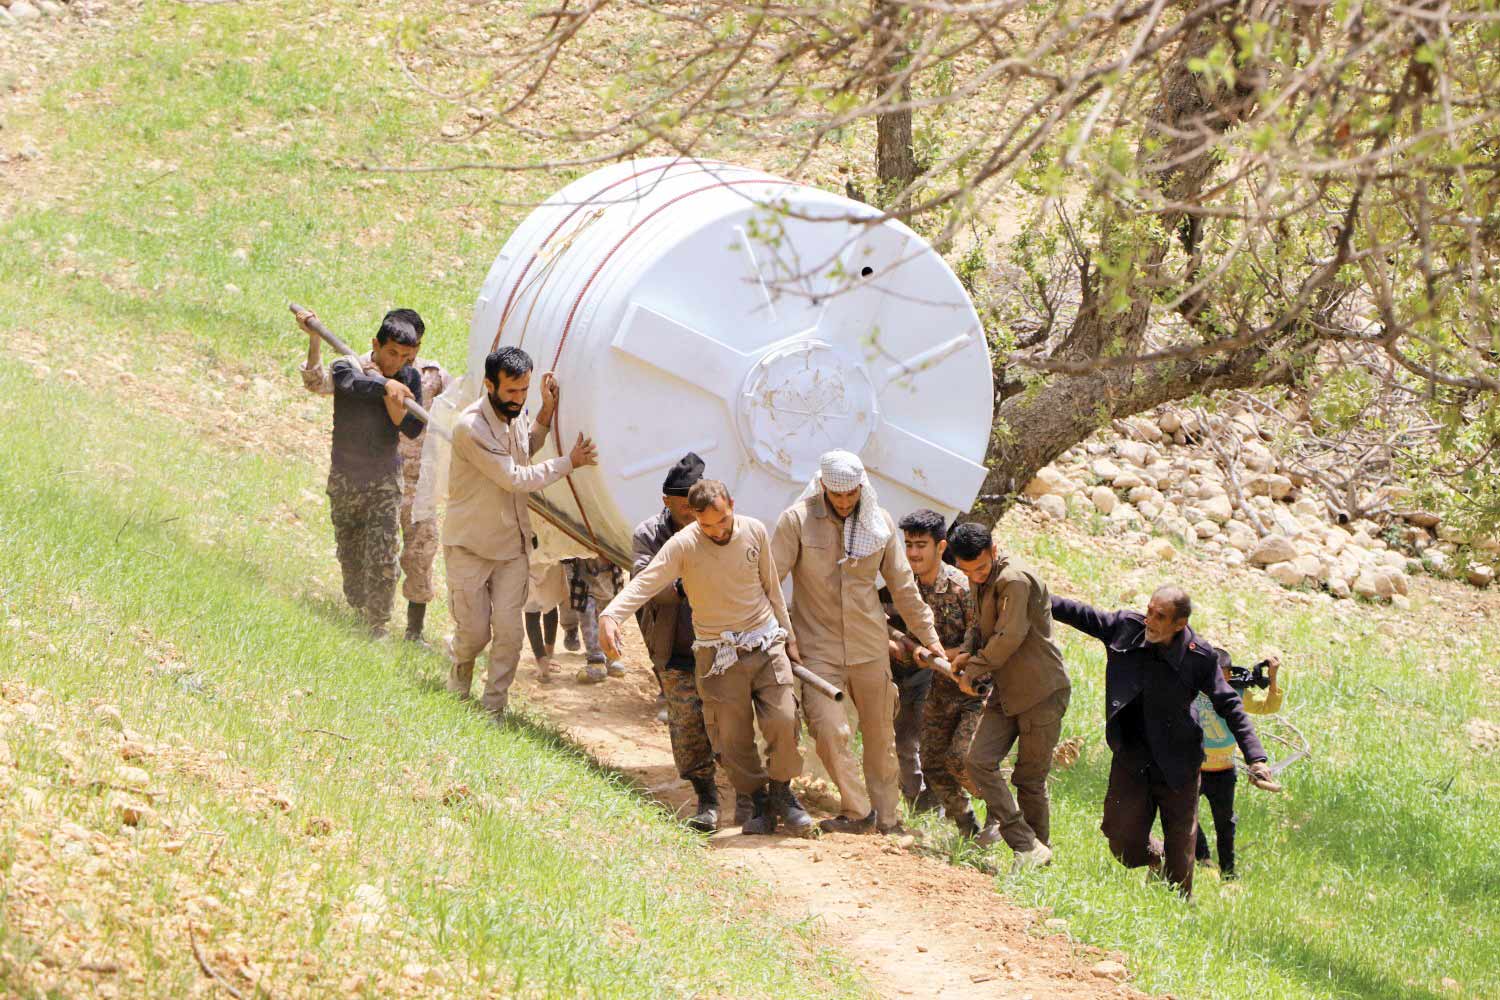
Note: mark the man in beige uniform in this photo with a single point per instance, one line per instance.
(742, 650)
(833, 541)
(487, 534)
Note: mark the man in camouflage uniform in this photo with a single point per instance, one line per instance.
(950, 716)
(419, 539)
(365, 469)
(592, 584)
(666, 623)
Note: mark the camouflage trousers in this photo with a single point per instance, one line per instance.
(949, 722)
(419, 548)
(366, 522)
(692, 751)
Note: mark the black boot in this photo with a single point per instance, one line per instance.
(796, 820)
(416, 615)
(743, 809)
(707, 819)
(968, 826)
(763, 818)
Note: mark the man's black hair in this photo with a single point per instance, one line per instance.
(411, 317)
(969, 540)
(925, 522)
(512, 362)
(399, 330)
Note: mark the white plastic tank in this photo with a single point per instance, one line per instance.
(698, 306)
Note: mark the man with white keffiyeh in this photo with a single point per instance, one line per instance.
(834, 541)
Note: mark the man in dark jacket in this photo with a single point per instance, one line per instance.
(666, 623)
(1155, 666)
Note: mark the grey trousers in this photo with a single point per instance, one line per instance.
(1025, 817)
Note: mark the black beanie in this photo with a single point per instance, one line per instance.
(683, 475)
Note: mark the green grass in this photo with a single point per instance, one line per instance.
(202, 131)
(1374, 875)
(549, 877)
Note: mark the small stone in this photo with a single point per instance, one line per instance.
(1401, 601)
(23, 10)
(1205, 529)
(1286, 574)
(130, 812)
(50, 7)
(1481, 576)
(1104, 499)
(1216, 508)
(1108, 969)
(1053, 506)
(1421, 518)
(1104, 469)
(1365, 585)
(1127, 481)
(1161, 549)
(1047, 482)
(110, 716)
(1311, 567)
(132, 777)
(1169, 422)
(1339, 587)
(1272, 549)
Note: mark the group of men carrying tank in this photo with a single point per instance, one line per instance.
(706, 587)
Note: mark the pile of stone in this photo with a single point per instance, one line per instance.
(1156, 480)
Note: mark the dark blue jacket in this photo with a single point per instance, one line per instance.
(1173, 736)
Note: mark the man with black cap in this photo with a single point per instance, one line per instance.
(666, 623)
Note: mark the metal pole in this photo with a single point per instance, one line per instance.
(816, 682)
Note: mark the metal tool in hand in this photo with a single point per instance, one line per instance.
(817, 683)
(939, 664)
(307, 320)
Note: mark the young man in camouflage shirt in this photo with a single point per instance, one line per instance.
(419, 539)
(364, 473)
(947, 718)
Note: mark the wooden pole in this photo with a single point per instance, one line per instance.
(307, 320)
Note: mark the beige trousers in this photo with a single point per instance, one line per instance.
(870, 687)
(485, 597)
(759, 687)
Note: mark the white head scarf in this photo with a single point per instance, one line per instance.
(865, 531)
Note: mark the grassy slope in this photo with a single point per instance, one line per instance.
(504, 858)
(1374, 877)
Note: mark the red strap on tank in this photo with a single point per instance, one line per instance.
(573, 312)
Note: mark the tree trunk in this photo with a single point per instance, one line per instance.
(895, 160)
(1036, 425)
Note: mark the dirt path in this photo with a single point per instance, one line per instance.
(915, 926)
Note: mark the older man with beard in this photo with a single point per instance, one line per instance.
(833, 541)
(487, 536)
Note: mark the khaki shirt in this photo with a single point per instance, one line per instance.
(836, 606)
(488, 484)
(733, 587)
(1011, 640)
(435, 381)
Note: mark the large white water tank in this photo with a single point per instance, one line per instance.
(698, 306)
